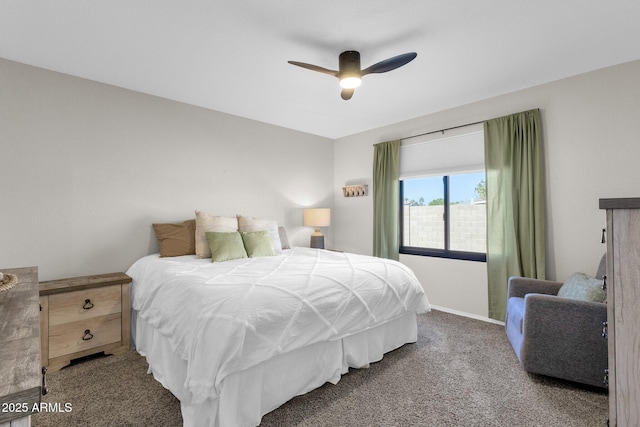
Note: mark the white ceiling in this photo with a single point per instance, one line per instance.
(231, 55)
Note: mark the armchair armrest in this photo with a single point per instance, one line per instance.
(562, 338)
(520, 286)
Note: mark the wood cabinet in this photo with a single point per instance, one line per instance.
(623, 309)
(82, 316)
(20, 376)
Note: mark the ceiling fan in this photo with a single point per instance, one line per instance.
(349, 71)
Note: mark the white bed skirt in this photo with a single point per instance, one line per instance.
(247, 395)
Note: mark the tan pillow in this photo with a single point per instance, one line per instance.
(206, 222)
(247, 224)
(176, 239)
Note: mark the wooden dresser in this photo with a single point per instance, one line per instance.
(20, 376)
(623, 309)
(82, 316)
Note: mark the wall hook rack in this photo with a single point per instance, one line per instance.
(355, 190)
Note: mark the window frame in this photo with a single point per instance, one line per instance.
(433, 252)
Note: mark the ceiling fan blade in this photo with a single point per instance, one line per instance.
(390, 64)
(346, 94)
(314, 68)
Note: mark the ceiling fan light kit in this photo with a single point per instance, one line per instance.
(350, 82)
(350, 74)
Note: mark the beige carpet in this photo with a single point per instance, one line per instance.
(461, 372)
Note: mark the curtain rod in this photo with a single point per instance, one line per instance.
(441, 130)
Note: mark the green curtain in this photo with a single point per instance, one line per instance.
(386, 193)
(515, 203)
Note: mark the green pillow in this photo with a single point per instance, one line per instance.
(257, 243)
(582, 287)
(225, 246)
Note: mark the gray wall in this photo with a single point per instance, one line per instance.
(591, 127)
(86, 168)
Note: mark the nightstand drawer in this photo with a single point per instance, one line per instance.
(84, 304)
(80, 316)
(84, 334)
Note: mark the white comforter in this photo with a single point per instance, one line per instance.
(225, 317)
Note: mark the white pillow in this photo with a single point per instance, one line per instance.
(206, 222)
(248, 224)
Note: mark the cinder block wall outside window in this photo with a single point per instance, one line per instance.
(426, 227)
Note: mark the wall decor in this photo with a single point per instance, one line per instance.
(355, 190)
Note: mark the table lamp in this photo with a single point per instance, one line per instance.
(317, 217)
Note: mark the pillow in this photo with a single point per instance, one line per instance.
(246, 223)
(284, 240)
(176, 239)
(257, 243)
(225, 246)
(206, 222)
(581, 287)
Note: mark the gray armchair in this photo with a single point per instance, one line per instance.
(555, 336)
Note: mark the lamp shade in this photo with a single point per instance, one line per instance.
(317, 217)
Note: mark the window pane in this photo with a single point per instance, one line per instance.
(423, 213)
(467, 214)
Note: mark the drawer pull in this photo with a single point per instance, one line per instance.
(87, 335)
(45, 389)
(88, 305)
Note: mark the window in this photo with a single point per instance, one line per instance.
(443, 198)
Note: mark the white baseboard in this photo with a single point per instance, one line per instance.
(470, 315)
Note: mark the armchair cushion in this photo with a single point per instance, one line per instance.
(581, 287)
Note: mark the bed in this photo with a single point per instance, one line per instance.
(234, 340)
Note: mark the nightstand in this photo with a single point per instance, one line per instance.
(82, 316)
